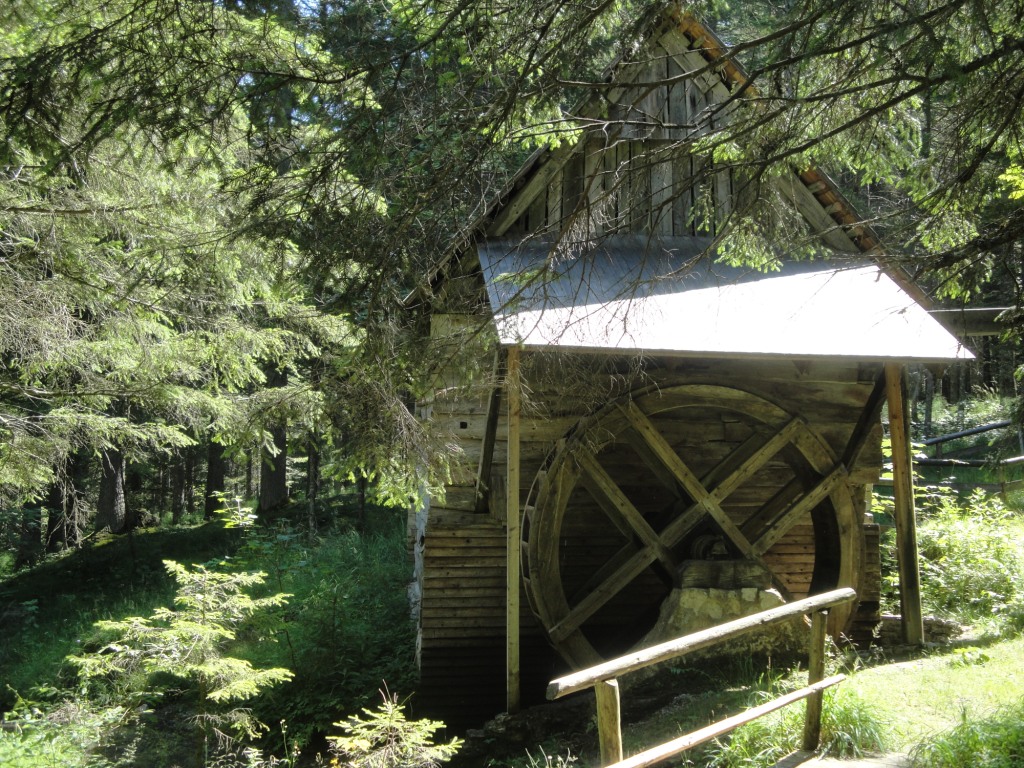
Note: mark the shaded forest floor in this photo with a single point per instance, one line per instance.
(59, 599)
(349, 634)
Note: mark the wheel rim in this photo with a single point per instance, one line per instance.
(618, 509)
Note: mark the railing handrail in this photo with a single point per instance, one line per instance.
(603, 679)
(713, 731)
(680, 646)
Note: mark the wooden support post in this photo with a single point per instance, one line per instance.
(609, 721)
(512, 543)
(903, 492)
(815, 674)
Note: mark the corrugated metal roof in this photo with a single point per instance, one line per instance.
(637, 294)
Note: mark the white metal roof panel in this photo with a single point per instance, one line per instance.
(633, 294)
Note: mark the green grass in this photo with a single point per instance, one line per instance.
(925, 696)
(972, 561)
(996, 741)
(849, 728)
(884, 705)
(50, 609)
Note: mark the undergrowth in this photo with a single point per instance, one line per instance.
(343, 634)
(971, 561)
(849, 728)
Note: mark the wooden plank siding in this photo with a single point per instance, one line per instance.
(461, 645)
(636, 171)
(462, 585)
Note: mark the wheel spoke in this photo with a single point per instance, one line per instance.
(748, 460)
(755, 525)
(686, 477)
(780, 526)
(603, 573)
(610, 587)
(617, 506)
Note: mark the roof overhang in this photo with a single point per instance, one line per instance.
(633, 294)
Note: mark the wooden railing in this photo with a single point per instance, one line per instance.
(603, 678)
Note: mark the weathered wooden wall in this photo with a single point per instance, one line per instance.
(637, 172)
(462, 557)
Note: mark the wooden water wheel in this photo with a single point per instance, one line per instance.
(667, 476)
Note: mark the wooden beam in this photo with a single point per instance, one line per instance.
(684, 475)
(903, 492)
(705, 638)
(868, 420)
(618, 507)
(513, 393)
(827, 228)
(605, 591)
(778, 527)
(752, 462)
(483, 472)
(663, 752)
(815, 673)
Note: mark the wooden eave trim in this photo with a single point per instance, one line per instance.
(715, 53)
(839, 209)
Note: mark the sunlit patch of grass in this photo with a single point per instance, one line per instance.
(996, 741)
(929, 694)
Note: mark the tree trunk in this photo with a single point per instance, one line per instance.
(110, 508)
(56, 517)
(135, 490)
(30, 537)
(177, 489)
(273, 472)
(162, 487)
(190, 481)
(216, 473)
(64, 503)
(361, 485)
(313, 478)
(274, 467)
(250, 480)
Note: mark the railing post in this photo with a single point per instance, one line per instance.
(609, 721)
(815, 673)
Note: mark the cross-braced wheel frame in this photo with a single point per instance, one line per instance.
(669, 475)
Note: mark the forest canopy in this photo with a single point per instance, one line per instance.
(212, 213)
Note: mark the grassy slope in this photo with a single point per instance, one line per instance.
(916, 697)
(931, 694)
(48, 610)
